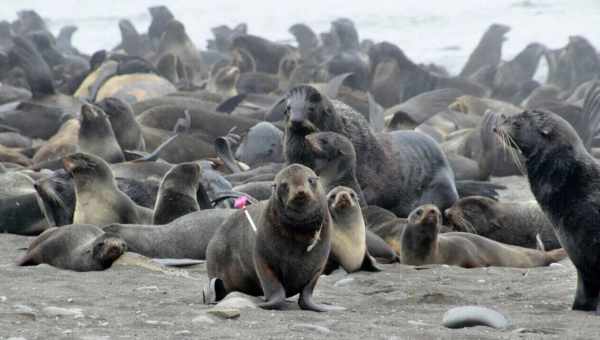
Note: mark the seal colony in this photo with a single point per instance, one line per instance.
(280, 163)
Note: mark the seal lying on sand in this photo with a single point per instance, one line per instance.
(516, 223)
(78, 247)
(288, 251)
(565, 180)
(423, 244)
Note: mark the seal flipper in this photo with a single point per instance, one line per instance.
(369, 264)
(28, 259)
(379, 249)
(214, 291)
(272, 288)
(333, 86)
(306, 302)
(588, 123)
(223, 150)
(230, 104)
(376, 114)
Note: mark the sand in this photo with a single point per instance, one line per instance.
(140, 301)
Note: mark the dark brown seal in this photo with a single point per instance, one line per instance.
(286, 254)
(565, 180)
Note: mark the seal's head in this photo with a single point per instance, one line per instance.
(343, 203)
(427, 216)
(298, 198)
(107, 248)
(183, 177)
(537, 133)
(85, 167)
(307, 108)
(470, 212)
(115, 108)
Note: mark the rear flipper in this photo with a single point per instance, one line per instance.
(379, 249)
(214, 291)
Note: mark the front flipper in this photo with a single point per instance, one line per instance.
(272, 288)
(369, 264)
(306, 302)
(586, 296)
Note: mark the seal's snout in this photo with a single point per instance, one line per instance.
(342, 200)
(431, 216)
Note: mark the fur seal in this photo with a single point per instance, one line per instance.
(177, 193)
(287, 253)
(488, 51)
(184, 238)
(564, 179)
(176, 41)
(516, 223)
(98, 200)
(122, 120)
(21, 208)
(348, 239)
(74, 247)
(96, 135)
(423, 244)
(262, 144)
(386, 163)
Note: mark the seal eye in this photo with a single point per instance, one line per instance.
(419, 213)
(313, 180)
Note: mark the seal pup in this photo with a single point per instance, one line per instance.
(96, 135)
(422, 244)
(288, 251)
(516, 223)
(348, 239)
(98, 200)
(75, 247)
(177, 193)
(565, 180)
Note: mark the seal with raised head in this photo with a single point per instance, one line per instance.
(96, 135)
(565, 180)
(422, 244)
(397, 171)
(98, 200)
(122, 120)
(177, 193)
(78, 247)
(516, 223)
(288, 251)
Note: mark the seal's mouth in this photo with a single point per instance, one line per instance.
(69, 164)
(313, 143)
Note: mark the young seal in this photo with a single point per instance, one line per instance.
(74, 247)
(565, 180)
(422, 243)
(177, 193)
(348, 239)
(288, 251)
(516, 223)
(96, 135)
(98, 200)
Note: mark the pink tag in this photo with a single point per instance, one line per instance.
(240, 203)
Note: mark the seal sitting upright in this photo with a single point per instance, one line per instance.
(565, 180)
(287, 252)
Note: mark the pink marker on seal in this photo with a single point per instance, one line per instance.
(240, 203)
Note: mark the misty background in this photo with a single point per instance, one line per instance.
(440, 31)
